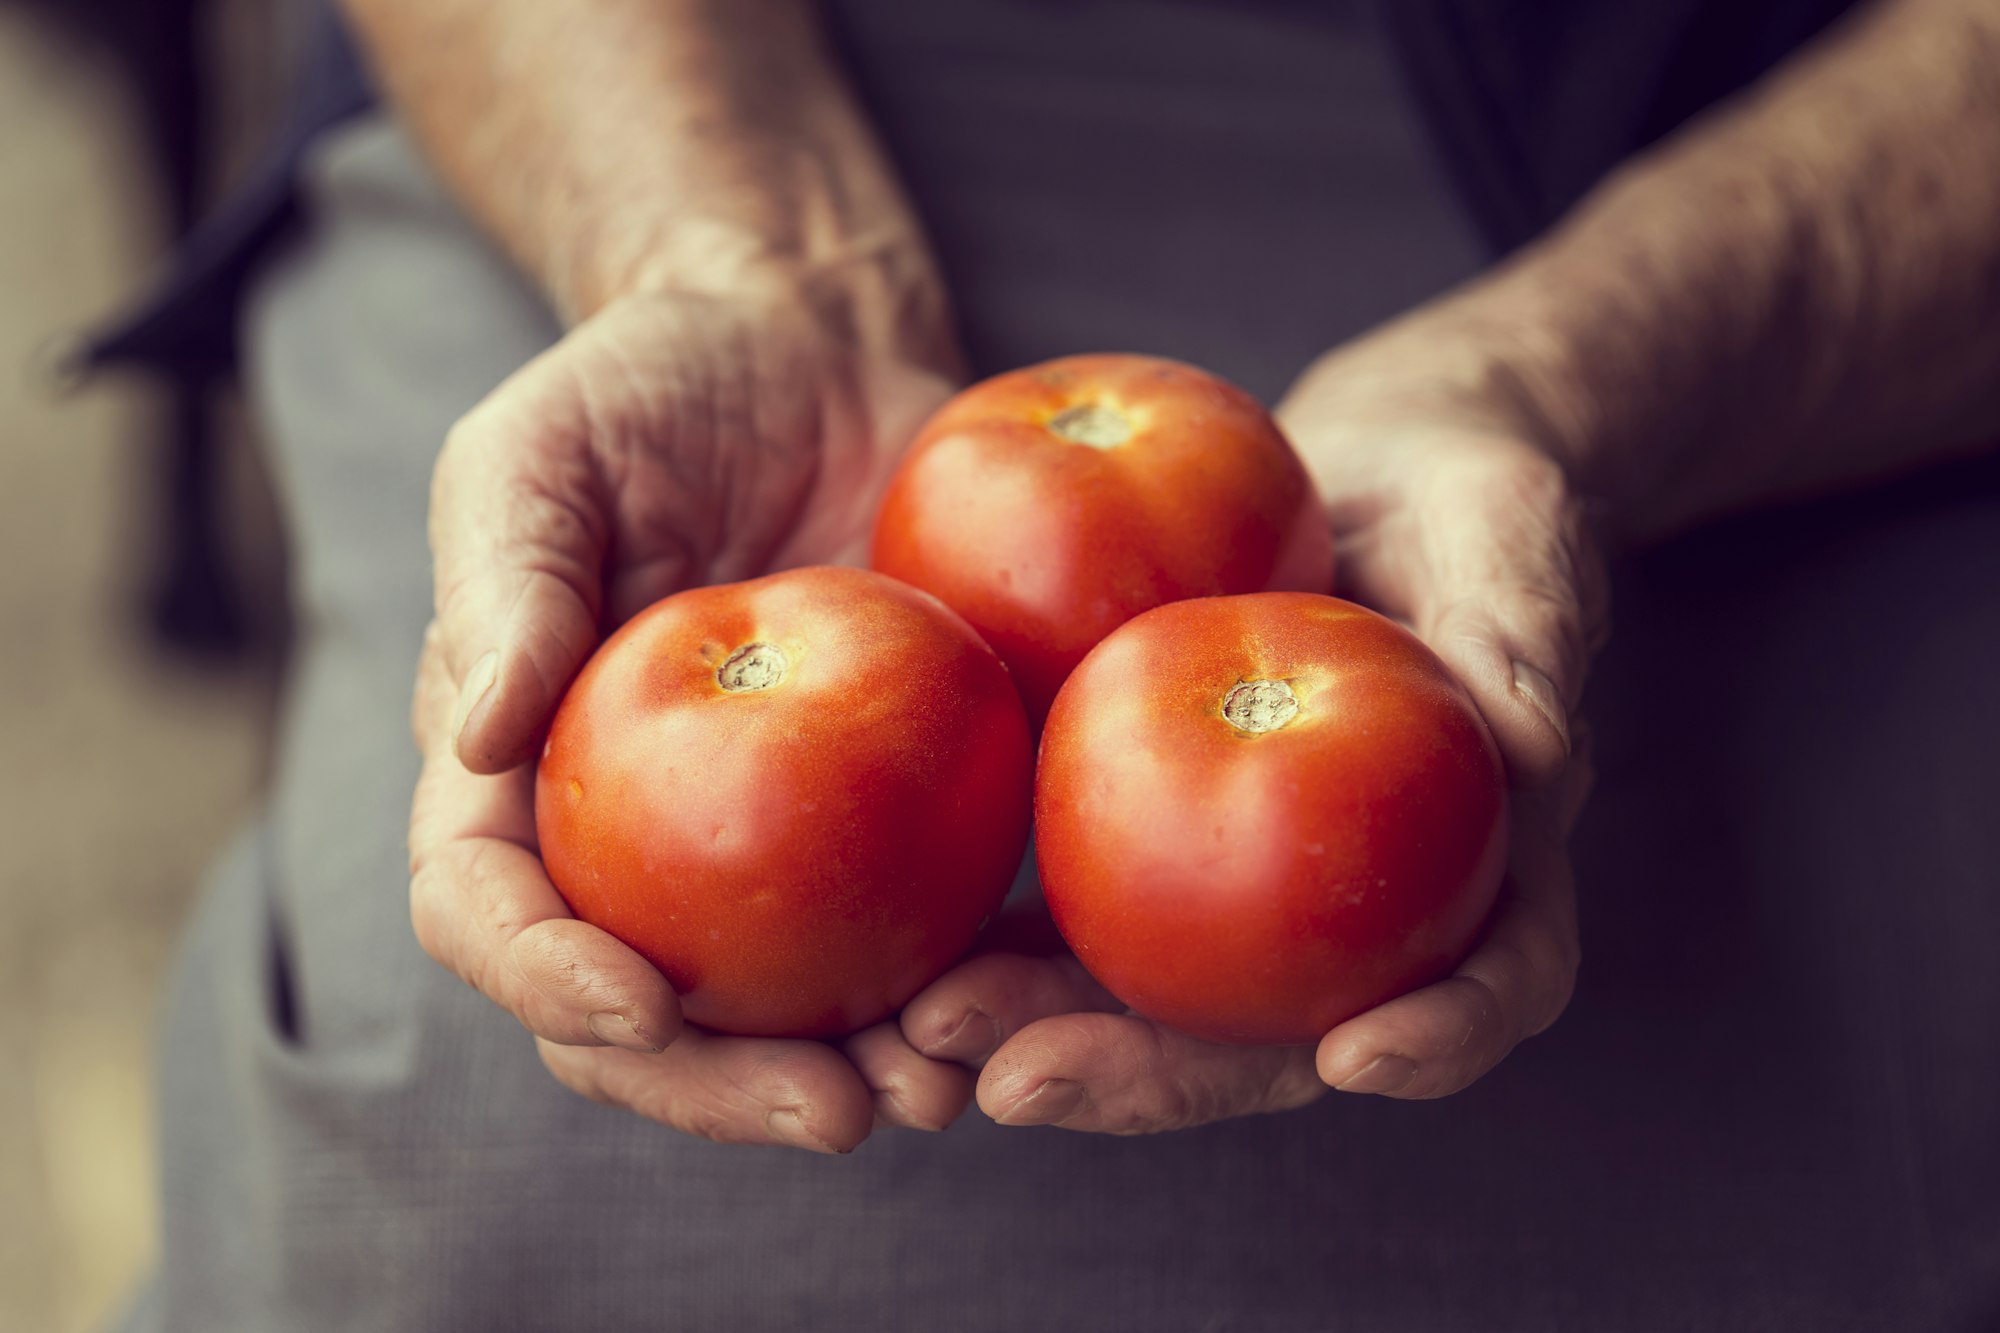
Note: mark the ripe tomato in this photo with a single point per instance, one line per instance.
(1259, 816)
(1050, 505)
(799, 797)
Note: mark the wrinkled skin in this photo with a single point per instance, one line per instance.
(671, 440)
(1450, 515)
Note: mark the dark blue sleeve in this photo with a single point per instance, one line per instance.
(184, 322)
(1529, 103)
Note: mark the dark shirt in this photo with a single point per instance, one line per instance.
(1529, 102)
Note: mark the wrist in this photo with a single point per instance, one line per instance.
(1655, 386)
(881, 292)
(1661, 355)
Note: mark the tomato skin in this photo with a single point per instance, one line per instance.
(1045, 545)
(798, 860)
(1263, 888)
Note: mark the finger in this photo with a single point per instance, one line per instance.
(482, 905)
(799, 1094)
(1121, 1074)
(965, 1015)
(519, 526)
(1510, 596)
(908, 1089)
(1515, 983)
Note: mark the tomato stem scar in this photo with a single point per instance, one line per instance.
(754, 666)
(1093, 424)
(1258, 706)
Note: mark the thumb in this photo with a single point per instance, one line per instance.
(1512, 596)
(518, 526)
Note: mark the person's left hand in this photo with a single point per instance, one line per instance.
(1450, 517)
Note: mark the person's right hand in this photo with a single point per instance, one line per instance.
(666, 442)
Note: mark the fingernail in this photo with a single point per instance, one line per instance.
(790, 1127)
(1052, 1103)
(975, 1038)
(1540, 691)
(618, 1030)
(477, 682)
(1388, 1073)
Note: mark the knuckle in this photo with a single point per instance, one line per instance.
(1289, 1082)
(1559, 998)
(1483, 1008)
(430, 692)
(575, 1070)
(427, 916)
(703, 1117)
(1568, 950)
(472, 435)
(717, 1108)
(461, 435)
(1547, 620)
(1530, 974)
(875, 1050)
(782, 1078)
(545, 959)
(1562, 988)
(1169, 1104)
(466, 928)
(455, 464)
(1162, 1098)
(551, 519)
(451, 596)
(1469, 617)
(1506, 967)
(486, 895)
(1590, 576)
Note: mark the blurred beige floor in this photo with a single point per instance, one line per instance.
(120, 771)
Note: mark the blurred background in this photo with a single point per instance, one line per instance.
(138, 663)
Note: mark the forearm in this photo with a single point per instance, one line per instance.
(1803, 289)
(614, 145)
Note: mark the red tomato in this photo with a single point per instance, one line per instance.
(1258, 816)
(1050, 505)
(798, 797)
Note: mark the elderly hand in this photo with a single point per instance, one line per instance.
(1449, 517)
(670, 440)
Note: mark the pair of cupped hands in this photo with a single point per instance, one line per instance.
(678, 439)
